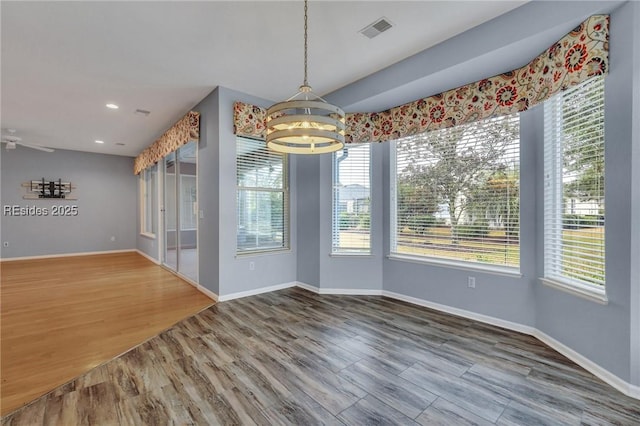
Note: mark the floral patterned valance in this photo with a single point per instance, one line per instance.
(578, 56)
(249, 120)
(184, 131)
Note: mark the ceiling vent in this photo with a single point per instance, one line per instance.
(142, 112)
(379, 26)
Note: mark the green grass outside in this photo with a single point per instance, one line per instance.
(587, 245)
(438, 244)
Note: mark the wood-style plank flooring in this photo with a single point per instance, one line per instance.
(62, 317)
(294, 357)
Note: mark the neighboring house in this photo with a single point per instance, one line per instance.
(353, 199)
(577, 206)
(443, 213)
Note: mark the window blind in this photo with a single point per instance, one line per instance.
(262, 197)
(351, 218)
(149, 200)
(455, 193)
(574, 204)
(189, 200)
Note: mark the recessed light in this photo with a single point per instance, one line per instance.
(112, 106)
(99, 141)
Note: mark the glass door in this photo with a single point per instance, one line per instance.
(170, 211)
(188, 211)
(180, 210)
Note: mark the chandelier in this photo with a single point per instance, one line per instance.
(305, 123)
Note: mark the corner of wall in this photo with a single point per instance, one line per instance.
(581, 326)
(208, 193)
(635, 206)
(244, 274)
(100, 225)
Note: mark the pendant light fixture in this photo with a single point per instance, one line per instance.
(305, 123)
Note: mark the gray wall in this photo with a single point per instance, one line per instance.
(308, 259)
(151, 245)
(270, 269)
(635, 203)
(146, 244)
(208, 193)
(602, 333)
(448, 285)
(316, 266)
(221, 270)
(351, 272)
(608, 335)
(107, 202)
(504, 43)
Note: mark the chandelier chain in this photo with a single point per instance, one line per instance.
(306, 83)
(305, 123)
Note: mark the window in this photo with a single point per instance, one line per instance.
(574, 226)
(189, 200)
(187, 187)
(351, 219)
(149, 201)
(262, 197)
(456, 193)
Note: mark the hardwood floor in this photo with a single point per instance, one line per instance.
(294, 357)
(62, 317)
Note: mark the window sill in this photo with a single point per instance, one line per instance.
(584, 291)
(351, 255)
(148, 235)
(467, 266)
(263, 252)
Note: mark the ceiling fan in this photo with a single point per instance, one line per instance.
(11, 141)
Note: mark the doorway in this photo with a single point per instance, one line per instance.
(181, 211)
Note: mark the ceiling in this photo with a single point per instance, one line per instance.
(62, 62)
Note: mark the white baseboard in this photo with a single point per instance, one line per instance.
(342, 291)
(53, 256)
(207, 292)
(421, 302)
(200, 288)
(634, 391)
(600, 372)
(308, 287)
(584, 362)
(231, 296)
(143, 254)
(605, 375)
(187, 279)
(509, 325)
(351, 291)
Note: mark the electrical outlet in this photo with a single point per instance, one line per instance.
(252, 266)
(201, 214)
(472, 282)
(6, 244)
